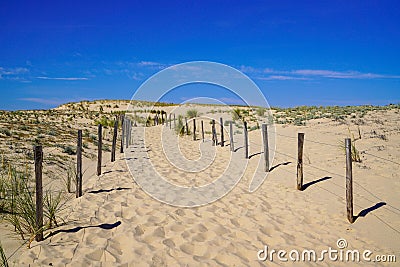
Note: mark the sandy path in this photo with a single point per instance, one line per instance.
(116, 224)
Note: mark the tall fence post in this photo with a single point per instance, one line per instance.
(78, 192)
(349, 181)
(266, 147)
(174, 122)
(99, 148)
(246, 140)
(214, 134)
(222, 131)
(123, 133)
(300, 142)
(194, 129)
(114, 141)
(38, 153)
(231, 136)
(127, 132)
(170, 122)
(202, 131)
(187, 127)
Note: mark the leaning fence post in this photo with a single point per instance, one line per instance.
(222, 131)
(38, 153)
(170, 122)
(99, 149)
(300, 142)
(194, 129)
(349, 181)
(123, 133)
(266, 147)
(246, 140)
(231, 136)
(202, 131)
(114, 141)
(78, 192)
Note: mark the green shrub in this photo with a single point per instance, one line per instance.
(5, 131)
(236, 114)
(3, 257)
(192, 113)
(70, 150)
(180, 126)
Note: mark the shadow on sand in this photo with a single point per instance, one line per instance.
(305, 186)
(108, 190)
(105, 226)
(364, 212)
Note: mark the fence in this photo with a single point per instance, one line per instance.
(126, 128)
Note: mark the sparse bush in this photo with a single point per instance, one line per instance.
(3, 257)
(180, 126)
(5, 131)
(70, 150)
(236, 114)
(192, 113)
(260, 111)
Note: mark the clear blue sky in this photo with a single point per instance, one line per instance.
(297, 52)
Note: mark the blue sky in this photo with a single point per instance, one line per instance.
(297, 52)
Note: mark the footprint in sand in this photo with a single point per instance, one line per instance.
(169, 243)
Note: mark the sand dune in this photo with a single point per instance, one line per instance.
(116, 224)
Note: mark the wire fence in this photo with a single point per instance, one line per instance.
(59, 169)
(389, 207)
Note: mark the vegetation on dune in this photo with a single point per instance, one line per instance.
(180, 126)
(3, 257)
(192, 113)
(17, 202)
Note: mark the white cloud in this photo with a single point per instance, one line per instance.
(282, 78)
(12, 73)
(308, 74)
(63, 78)
(152, 64)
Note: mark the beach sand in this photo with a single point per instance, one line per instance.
(115, 223)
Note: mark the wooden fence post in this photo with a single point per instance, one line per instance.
(123, 133)
(349, 181)
(266, 147)
(246, 140)
(170, 122)
(194, 129)
(38, 153)
(114, 141)
(174, 122)
(231, 136)
(187, 127)
(129, 133)
(99, 148)
(300, 142)
(213, 133)
(127, 130)
(162, 118)
(78, 192)
(202, 131)
(222, 131)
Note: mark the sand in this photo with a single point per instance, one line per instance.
(115, 223)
